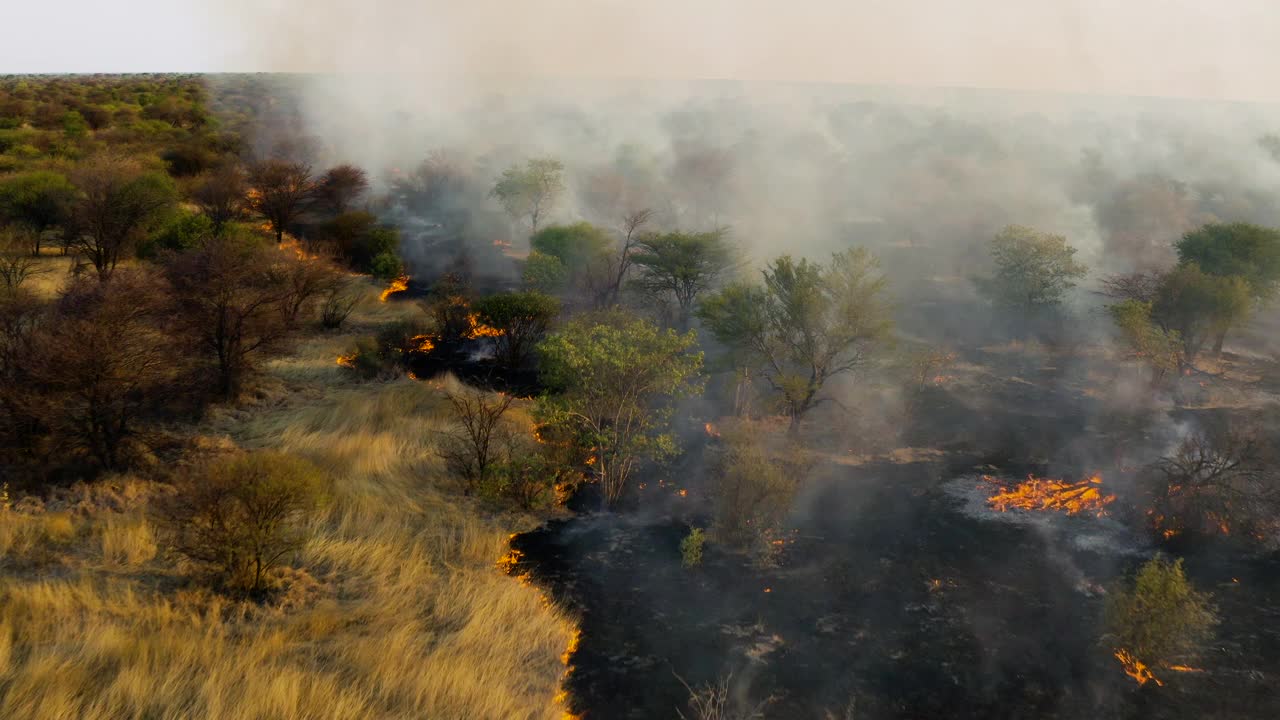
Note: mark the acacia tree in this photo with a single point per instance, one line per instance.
(571, 259)
(38, 201)
(614, 379)
(1160, 349)
(806, 324)
(221, 195)
(530, 191)
(1033, 270)
(1159, 619)
(232, 300)
(105, 360)
(1249, 252)
(521, 318)
(117, 202)
(280, 192)
(682, 265)
(1198, 306)
(339, 188)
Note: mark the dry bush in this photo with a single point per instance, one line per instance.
(128, 541)
(718, 701)
(472, 450)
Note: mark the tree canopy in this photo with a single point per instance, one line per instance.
(530, 191)
(613, 380)
(808, 323)
(681, 266)
(1032, 270)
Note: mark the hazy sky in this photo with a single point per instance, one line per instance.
(1198, 48)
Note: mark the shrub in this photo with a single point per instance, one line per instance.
(473, 449)
(337, 304)
(386, 265)
(691, 548)
(183, 232)
(1160, 618)
(752, 493)
(243, 516)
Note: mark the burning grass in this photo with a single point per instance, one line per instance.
(1045, 494)
(399, 611)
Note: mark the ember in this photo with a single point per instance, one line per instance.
(400, 284)
(712, 431)
(1047, 494)
(347, 361)
(422, 343)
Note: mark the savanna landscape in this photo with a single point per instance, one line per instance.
(331, 395)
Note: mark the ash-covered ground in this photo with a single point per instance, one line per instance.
(900, 593)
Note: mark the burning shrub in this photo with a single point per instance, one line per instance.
(614, 380)
(520, 319)
(242, 516)
(691, 548)
(1216, 481)
(1159, 621)
(752, 492)
(528, 477)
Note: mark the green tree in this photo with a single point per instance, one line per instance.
(614, 379)
(1033, 269)
(243, 516)
(682, 265)
(119, 201)
(807, 324)
(1159, 619)
(1160, 349)
(1197, 305)
(40, 201)
(583, 251)
(522, 319)
(1239, 250)
(530, 191)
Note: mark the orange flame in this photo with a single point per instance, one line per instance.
(347, 361)
(1047, 494)
(422, 343)
(1136, 669)
(712, 430)
(478, 329)
(400, 284)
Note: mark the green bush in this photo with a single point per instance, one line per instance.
(386, 265)
(184, 231)
(691, 548)
(1159, 618)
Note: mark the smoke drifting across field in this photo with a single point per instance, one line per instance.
(789, 163)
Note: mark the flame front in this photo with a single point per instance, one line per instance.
(1046, 494)
(400, 284)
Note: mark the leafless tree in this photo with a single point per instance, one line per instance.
(471, 451)
(280, 190)
(104, 361)
(339, 188)
(17, 265)
(1140, 286)
(221, 195)
(1220, 479)
(337, 303)
(231, 297)
(118, 200)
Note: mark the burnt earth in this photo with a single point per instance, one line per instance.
(892, 602)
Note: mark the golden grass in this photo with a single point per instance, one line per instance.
(395, 608)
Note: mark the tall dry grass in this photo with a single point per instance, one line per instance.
(394, 609)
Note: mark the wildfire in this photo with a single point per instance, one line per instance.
(1136, 669)
(291, 243)
(478, 329)
(1047, 494)
(347, 361)
(422, 343)
(400, 284)
(712, 430)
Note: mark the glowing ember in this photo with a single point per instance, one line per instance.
(712, 431)
(683, 493)
(347, 361)
(1047, 494)
(400, 284)
(422, 343)
(1136, 669)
